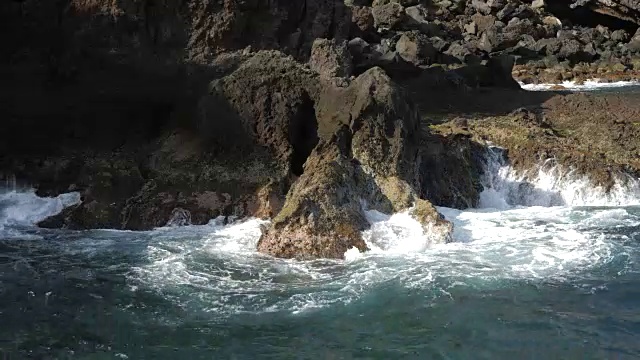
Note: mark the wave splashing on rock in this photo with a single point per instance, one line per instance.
(550, 185)
(216, 267)
(24, 208)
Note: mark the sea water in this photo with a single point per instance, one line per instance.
(547, 267)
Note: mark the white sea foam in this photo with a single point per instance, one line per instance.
(395, 234)
(588, 85)
(504, 241)
(217, 266)
(23, 208)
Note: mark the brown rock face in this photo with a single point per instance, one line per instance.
(267, 101)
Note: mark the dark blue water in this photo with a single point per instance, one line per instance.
(527, 283)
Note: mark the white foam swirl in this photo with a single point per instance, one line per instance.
(217, 266)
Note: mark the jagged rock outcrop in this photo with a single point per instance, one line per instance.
(367, 158)
(368, 162)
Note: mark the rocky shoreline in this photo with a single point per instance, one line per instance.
(305, 112)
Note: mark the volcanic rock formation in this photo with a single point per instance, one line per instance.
(306, 112)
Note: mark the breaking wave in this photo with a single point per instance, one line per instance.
(552, 185)
(25, 208)
(545, 229)
(589, 85)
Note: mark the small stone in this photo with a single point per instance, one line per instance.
(471, 28)
(537, 4)
(552, 21)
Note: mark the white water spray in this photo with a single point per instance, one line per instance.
(25, 208)
(550, 185)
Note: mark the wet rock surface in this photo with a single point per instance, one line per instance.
(592, 134)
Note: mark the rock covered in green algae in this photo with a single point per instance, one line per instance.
(322, 216)
(594, 134)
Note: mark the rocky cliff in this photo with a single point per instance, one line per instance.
(306, 112)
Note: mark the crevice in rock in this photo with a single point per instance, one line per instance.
(303, 135)
(586, 16)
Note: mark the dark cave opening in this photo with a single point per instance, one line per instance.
(586, 16)
(303, 135)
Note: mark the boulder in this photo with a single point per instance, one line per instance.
(417, 20)
(553, 22)
(362, 19)
(392, 63)
(574, 51)
(439, 43)
(464, 52)
(434, 225)
(481, 6)
(620, 36)
(548, 46)
(416, 48)
(417, 15)
(634, 44)
(389, 15)
(483, 22)
(331, 59)
(517, 28)
(496, 73)
(508, 11)
(496, 5)
(538, 4)
(496, 38)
